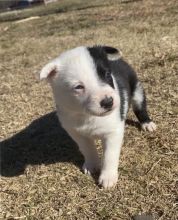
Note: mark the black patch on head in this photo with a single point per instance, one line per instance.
(103, 68)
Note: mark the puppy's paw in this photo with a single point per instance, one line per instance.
(150, 126)
(108, 179)
(89, 168)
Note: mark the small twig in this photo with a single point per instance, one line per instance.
(8, 192)
(153, 166)
(20, 217)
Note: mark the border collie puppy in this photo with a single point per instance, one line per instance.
(93, 88)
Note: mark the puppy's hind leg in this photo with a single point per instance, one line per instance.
(140, 108)
(88, 148)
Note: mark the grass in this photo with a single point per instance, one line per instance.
(55, 8)
(41, 166)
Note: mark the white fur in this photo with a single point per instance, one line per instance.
(80, 112)
(125, 104)
(138, 95)
(112, 143)
(150, 126)
(114, 56)
(46, 71)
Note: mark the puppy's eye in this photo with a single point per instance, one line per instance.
(109, 79)
(79, 87)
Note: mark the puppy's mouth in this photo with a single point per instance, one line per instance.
(107, 112)
(101, 114)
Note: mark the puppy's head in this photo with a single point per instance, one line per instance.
(82, 80)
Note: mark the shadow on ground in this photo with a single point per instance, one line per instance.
(44, 141)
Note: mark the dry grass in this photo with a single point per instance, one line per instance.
(41, 176)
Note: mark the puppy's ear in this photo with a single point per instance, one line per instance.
(49, 71)
(112, 53)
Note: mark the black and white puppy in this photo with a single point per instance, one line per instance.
(93, 88)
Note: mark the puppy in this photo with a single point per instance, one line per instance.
(93, 88)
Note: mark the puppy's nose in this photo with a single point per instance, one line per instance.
(107, 102)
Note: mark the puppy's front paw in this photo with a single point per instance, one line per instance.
(89, 168)
(150, 126)
(108, 179)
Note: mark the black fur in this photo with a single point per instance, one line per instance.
(141, 112)
(102, 64)
(123, 74)
(110, 50)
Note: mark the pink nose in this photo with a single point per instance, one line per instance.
(107, 102)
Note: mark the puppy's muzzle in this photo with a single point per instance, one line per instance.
(107, 103)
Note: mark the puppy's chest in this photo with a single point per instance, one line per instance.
(90, 126)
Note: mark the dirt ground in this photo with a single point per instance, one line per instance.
(41, 174)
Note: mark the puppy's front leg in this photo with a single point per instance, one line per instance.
(88, 149)
(112, 147)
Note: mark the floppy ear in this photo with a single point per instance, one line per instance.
(112, 53)
(49, 71)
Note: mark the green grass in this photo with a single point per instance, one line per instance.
(41, 165)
